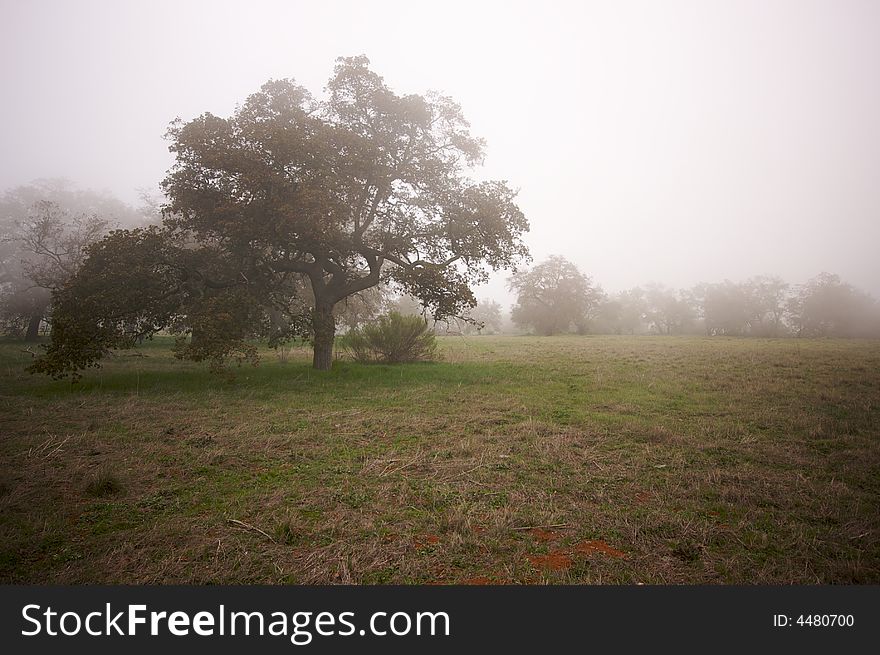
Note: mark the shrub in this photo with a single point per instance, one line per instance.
(392, 339)
(103, 482)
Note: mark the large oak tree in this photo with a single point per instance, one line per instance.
(298, 202)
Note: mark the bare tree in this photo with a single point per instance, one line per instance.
(44, 230)
(54, 242)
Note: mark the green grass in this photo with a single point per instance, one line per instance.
(702, 460)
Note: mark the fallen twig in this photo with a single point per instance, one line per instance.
(463, 473)
(252, 528)
(553, 525)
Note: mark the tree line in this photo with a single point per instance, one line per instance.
(555, 297)
(48, 228)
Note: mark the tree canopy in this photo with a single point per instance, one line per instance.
(827, 306)
(553, 296)
(291, 205)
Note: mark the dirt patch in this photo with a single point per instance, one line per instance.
(555, 561)
(425, 541)
(590, 547)
(544, 535)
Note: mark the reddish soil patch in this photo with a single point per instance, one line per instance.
(426, 540)
(644, 497)
(590, 547)
(555, 561)
(544, 535)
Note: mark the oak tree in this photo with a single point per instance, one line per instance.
(298, 202)
(553, 297)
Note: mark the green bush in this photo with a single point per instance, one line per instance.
(391, 339)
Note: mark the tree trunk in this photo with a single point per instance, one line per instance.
(324, 326)
(33, 329)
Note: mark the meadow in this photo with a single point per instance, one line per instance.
(581, 459)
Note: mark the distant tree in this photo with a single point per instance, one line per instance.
(44, 229)
(609, 316)
(150, 209)
(827, 306)
(669, 311)
(358, 309)
(487, 317)
(405, 305)
(17, 202)
(621, 313)
(633, 310)
(553, 297)
(365, 187)
(23, 305)
(767, 300)
(484, 318)
(54, 242)
(726, 308)
(754, 307)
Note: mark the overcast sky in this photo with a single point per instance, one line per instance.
(661, 141)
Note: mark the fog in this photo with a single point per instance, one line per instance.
(675, 142)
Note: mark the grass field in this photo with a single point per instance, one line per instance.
(513, 460)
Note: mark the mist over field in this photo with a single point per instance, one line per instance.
(675, 142)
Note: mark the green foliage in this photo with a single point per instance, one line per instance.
(219, 327)
(126, 289)
(135, 283)
(392, 339)
(445, 292)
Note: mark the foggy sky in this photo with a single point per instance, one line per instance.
(675, 142)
